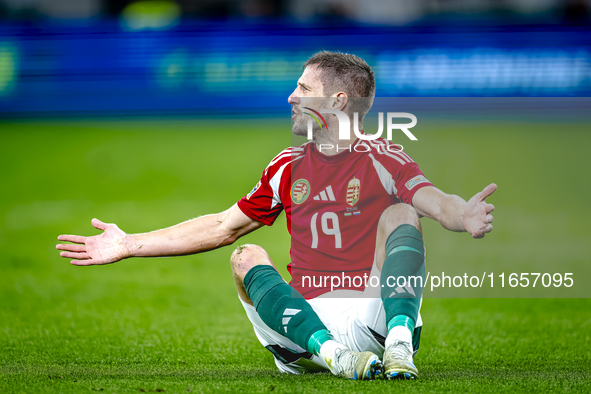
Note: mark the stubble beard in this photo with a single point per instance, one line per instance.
(299, 127)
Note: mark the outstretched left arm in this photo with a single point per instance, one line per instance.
(455, 214)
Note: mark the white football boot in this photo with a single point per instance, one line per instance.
(350, 364)
(398, 359)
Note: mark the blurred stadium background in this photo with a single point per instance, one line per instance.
(105, 56)
(110, 109)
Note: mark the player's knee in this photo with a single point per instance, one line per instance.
(398, 214)
(247, 256)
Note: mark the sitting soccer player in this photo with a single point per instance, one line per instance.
(352, 212)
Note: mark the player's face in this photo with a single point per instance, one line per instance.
(309, 94)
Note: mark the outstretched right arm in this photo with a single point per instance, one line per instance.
(193, 236)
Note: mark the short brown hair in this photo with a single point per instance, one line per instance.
(345, 72)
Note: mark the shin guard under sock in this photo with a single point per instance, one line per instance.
(283, 309)
(403, 276)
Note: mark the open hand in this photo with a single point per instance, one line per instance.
(477, 213)
(106, 248)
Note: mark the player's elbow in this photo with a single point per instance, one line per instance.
(227, 234)
(229, 239)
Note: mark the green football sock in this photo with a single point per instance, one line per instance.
(403, 276)
(283, 309)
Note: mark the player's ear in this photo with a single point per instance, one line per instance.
(339, 101)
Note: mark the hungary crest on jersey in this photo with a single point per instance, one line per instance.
(353, 190)
(300, 191)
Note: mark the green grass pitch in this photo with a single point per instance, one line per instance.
(175, 324)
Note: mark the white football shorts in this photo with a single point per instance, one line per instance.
(355, 319)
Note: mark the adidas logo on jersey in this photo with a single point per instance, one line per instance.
(325, 195)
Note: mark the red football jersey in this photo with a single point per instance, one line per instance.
(333, 205)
